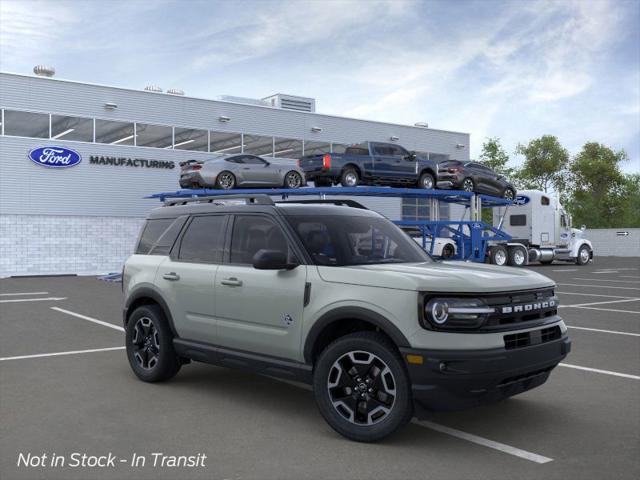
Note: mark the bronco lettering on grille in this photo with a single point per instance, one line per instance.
(529, 307)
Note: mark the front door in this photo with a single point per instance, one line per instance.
(187, 277)
(257, 171)
(259, 310)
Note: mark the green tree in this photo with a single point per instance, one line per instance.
(630, 215)
(545, 164)
(495, 157)
(599, 194)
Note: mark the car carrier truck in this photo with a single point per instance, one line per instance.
(540, 230)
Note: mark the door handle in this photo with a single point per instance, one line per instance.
(231, 282)
(173, 276)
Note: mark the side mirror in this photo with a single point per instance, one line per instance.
(272, 260)
(583, 228)
(411, 156)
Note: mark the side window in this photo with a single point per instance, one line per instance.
(563, 220)
(544, 201)
(253, 160)
(381, 149)
(168, 238)
(235, 159)
(252, 233)
(398, 151)
(203, 241)
(151, 232)
(518, 220)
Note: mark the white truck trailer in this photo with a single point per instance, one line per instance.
(541, 231)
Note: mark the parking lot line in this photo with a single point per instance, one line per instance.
(597, 370)
(485, 442)
(56, 354)
(629, 276)
(598, 286)
(607, 280)
(567, 270)
(43, 299)
(22, 293)
(609, 310)
(593, 295)
(605, 331)
(88, 319)
(633, 299)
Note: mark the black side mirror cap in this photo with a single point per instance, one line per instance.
(272, 260)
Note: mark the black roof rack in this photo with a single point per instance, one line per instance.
(338, 201)
(257, 199)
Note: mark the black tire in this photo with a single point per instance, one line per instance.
(367, 387)
(349, 177)
(322, 182)
(517, 256)
(448, 251)
(427, 181)
(225, 180)
(150, 322)
(499, 255)
(584, 255)
(509, 194)
(468, 185)
(293, 180)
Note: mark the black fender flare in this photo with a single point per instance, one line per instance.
(355, 166)
(351, 313)
(430, 171)
(146, 292)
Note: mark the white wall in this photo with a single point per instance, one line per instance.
(607, 242)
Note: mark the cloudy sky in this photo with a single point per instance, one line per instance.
(514, 69)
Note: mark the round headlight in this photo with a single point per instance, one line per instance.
(439, 312)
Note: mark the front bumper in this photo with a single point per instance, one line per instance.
(457, 379)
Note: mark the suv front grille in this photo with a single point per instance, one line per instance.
(534, 337)
(517, 307)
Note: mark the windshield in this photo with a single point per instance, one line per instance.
(340, 240)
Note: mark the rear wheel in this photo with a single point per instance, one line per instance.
(426, 181)
(226, 180)
(448, 251)
(293, 179)
(499, 255)
(349, 177)
(517, 256)
(509, 194)
(362, 388)
(149, 344)
(468, 185)
(584, 255)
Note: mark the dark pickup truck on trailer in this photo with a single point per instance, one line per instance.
(370, 163)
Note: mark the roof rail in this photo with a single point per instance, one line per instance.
(342, 202)
(258, 199)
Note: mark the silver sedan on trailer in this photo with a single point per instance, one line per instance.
(244, 170)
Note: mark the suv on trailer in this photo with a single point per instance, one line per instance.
(337, 297)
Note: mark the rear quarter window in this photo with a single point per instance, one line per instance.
(151, 232)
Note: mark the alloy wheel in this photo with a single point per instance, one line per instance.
(584, 255)
(467, 185)
(226, 181)
(146, 343)
(518, 257)
(293, 180)
(351, 179)
(361, 388)
(500, 257)
(508, 194)
(427, 182)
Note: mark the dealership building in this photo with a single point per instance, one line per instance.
(127, 144)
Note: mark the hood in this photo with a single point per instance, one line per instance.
(460, 277)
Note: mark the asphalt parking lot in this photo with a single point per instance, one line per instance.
(583, 423)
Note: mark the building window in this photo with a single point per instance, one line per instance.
(316, 148)
(157, 136)
(191, 139)
(225, 143)
(26, 124)
(287, 148)
(71, 128)
(114, 133)
(415, 209)
(258, 145)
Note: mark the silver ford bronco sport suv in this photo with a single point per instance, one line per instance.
(337, 297)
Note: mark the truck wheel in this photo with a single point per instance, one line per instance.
(448, 251)
(362, 388)
(517, 256)
(584, 255)
(426, 181)
(149, 344)
(468, 185)
(226, 180)
(349, 177)
(499, 255)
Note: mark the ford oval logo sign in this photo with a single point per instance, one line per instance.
(521, 200)
(55, 157)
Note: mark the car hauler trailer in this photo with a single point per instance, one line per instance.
(473, 239)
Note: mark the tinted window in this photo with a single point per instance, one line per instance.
(357, 151)
(544, 201)
(250, 159)
(342, 241)
(26, 124)
(252, 233)
(152, 231)
(518, 220)
(163, 245)
(115, 133)
(382, 150)
(204, 240)
(397, 151)
(235, 159)
(72, 128)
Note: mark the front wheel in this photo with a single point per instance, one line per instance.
(584, 255)
(426, 181)
(362, 388)
(293, 179)
(149, 345)
(468, 185)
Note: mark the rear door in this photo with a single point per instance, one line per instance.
(383, 160)
(259, 310)
(187, 276)
(402, 167)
